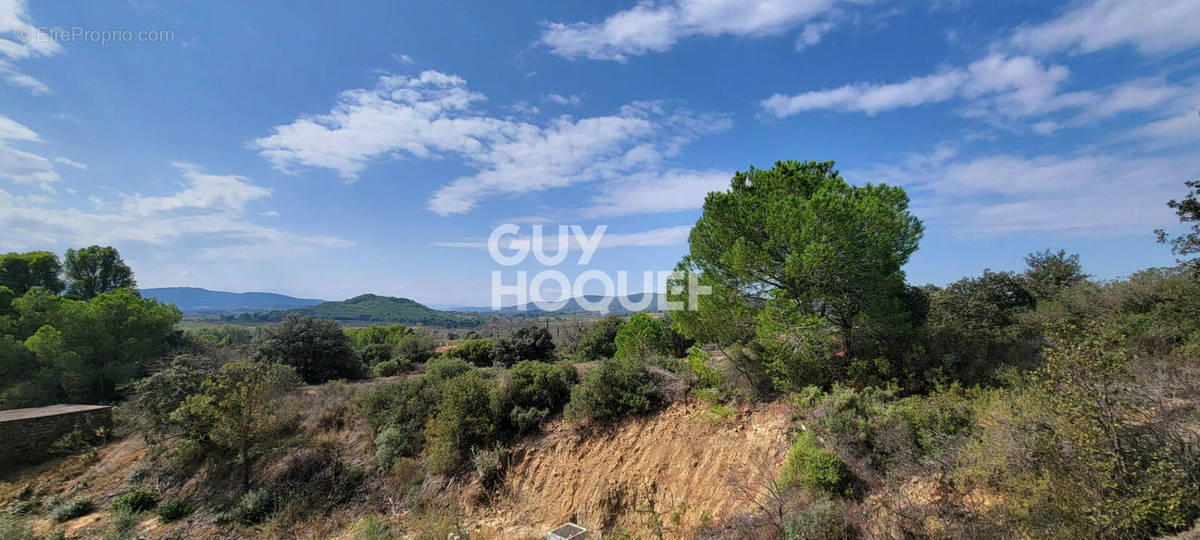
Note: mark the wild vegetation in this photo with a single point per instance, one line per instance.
(1037, 403)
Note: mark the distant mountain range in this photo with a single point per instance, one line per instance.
(573, 307)
(197, 301)
(266, 307)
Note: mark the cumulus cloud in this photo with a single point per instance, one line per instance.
(1003, 194)
(19, 40)
(558, 99)
(656, 26)
(1149, 26)
(432, 116)
(1013, 86)
(208, 208)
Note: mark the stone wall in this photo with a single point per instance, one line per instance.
(26, 434)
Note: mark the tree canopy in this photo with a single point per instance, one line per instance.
(94, 270)
(22, 271)
(799, 240)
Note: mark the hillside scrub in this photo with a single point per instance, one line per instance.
(618, 387)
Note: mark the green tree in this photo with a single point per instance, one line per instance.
(797, 235)
(1188, 210)
(600, 340)
(22, 271)
(480, 352)
(238, 405)
(319, 350)
(95, 270)
(526, 343)
(641, 337)
(1051, 272)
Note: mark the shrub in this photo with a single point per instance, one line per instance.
(255, 506)
(14, 527)
(173, 509)
(375, 354)
(70, 444)
(401, 409)
(526, 419)
(489, 464)
(615, 389)
(319, 350)
(464, 419)
(600, 340)
(157, 396)
(370, 527)
(821, 519)
(418, 347)
(445, 368)
(641, 337)
(542, 385)
(480, 352)
(68, 510)
(527, 343)
(810, 466)
(388, 368)
(139, 499)
(124, 525)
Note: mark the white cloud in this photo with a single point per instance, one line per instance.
(19, 40)
(404, 59)
(432, 116)
(665, 236)
(199, 211)
(652, 26)
(223, 193)
(11, 130)
(557, 99)
(71, 163)
(1135, 95)
(650, 193)
(19, 165)
(812, 34)
(1180, 129)
(992, 195)
(1011, 86)
(1150, 26)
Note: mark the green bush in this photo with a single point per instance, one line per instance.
(398, 413)
(464, 419)
(617, 388)
(173, 509)
(600, 339)
(254, 507)
(527, 343)
(139, 499)
(445, 368)
(821, 519)
(68, 510)
(479, 352)
(527, 419)
(418, 347)
(810, 466)
(388, 368)
(640, 338)
(542, 385)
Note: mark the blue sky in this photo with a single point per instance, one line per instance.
(330, 149)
